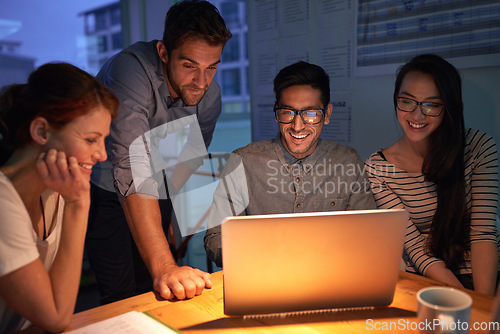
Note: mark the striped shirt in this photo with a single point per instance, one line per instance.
(396, 188)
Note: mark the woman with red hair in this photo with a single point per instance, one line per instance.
(52, 132)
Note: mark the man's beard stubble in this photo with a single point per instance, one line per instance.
(181, 91)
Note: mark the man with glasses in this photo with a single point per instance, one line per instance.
(296, 171)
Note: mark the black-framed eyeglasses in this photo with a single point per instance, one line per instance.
(432, 109)
(286, 115)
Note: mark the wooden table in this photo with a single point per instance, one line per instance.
(204, 313)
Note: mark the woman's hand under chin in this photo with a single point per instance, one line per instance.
(62, 174)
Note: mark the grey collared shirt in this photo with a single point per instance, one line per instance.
(257, 179)
(135, 76)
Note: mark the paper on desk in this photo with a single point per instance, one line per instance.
(132, 322)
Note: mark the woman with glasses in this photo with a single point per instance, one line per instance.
(444, 175)
(52, 132)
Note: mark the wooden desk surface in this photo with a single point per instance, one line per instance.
(205, 313)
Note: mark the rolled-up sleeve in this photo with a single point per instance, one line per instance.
(145, 115)
(126, 78)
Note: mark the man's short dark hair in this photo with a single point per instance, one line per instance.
(302, 73)
(194, 19)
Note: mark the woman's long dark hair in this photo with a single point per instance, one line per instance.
(444, 163)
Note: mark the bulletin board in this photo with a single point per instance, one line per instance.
(389, 32)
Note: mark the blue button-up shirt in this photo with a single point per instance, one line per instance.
(136, 77)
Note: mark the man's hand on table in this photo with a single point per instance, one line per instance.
(181, 282)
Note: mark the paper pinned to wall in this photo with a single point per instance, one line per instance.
(299, 30)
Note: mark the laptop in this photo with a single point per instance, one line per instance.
(311, 261)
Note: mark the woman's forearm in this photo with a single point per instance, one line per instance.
(484, 263)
